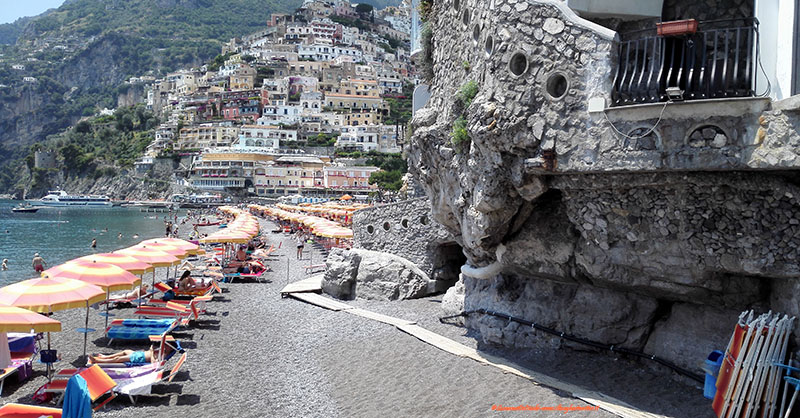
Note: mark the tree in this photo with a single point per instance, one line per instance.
(363, 8)
(387, 180)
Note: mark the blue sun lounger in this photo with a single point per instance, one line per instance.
(139, 329)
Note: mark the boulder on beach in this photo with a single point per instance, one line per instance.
(366, 274)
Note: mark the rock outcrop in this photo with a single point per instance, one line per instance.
(613, 226)
(373, 275)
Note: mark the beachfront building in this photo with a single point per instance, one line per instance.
(289, 174)
(350, 178)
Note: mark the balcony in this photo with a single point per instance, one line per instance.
(717, 61)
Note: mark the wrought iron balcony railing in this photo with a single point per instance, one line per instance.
(719, 60)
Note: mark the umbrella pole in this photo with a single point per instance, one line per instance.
(108, 295)
(154, 278)
(48, 345)
(86, 328)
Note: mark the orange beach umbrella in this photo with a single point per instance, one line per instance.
(48, 294)
(152, 256)
(123, 261)
(14, 319)
(175, 242)
(104, 275)
(167, 248)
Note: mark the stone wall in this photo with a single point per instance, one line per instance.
(625, 259)
(567, 220)
(408, 230)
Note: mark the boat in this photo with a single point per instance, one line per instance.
(61, 198)
(207, 224)
(22, 208)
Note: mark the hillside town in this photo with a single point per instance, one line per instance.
(294, 108)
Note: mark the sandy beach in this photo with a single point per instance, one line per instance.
(256, 354)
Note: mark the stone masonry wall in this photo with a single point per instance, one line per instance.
(405, 229)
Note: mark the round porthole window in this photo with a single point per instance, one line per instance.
(423, 220)
(456, 4)
(371, 229)
(489, 45)
(465, 17)
(404, 223)
(557, 86)
(476, 34)
(386, 226)
(518, 65)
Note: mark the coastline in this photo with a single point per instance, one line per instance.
(256, 354)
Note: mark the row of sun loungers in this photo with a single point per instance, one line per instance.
(156, 320)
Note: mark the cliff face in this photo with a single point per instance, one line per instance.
(690, 211)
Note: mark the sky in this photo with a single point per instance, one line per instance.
(11, 10)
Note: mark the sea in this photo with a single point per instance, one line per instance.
(62, 234)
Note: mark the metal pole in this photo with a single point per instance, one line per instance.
(108, 295)
(86, 329)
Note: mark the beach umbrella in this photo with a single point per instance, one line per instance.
(346, 197)
(167, 248)
(176, 242)
(123, 261)
(14, 319)
(48, 294)
(104, 275)
(151, 256)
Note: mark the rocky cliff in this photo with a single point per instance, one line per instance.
(618, 226)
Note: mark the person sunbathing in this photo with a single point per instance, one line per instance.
(124, 356)
(186, 282)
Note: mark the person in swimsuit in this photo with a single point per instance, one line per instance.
(38, 263)
(125, 356)
(5, 264)
(186, 282)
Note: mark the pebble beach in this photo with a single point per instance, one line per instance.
(256, 354)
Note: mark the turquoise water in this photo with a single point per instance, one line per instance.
(61, 234)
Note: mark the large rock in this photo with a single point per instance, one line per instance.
(340, 275)
(374, 275)
(453, 301)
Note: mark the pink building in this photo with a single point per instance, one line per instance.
(348, 177)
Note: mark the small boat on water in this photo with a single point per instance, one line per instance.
(207, 224)
(22, 208)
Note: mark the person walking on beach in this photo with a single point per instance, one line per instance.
(5, 264)
(300, 244)
(94, 243)
(38, 263)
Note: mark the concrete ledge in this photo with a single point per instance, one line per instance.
(787, 104)
(733, 107)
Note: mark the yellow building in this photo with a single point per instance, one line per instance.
(364, 117)
(243, 78)
(352, 101)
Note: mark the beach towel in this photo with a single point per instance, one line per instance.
(77, 401)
